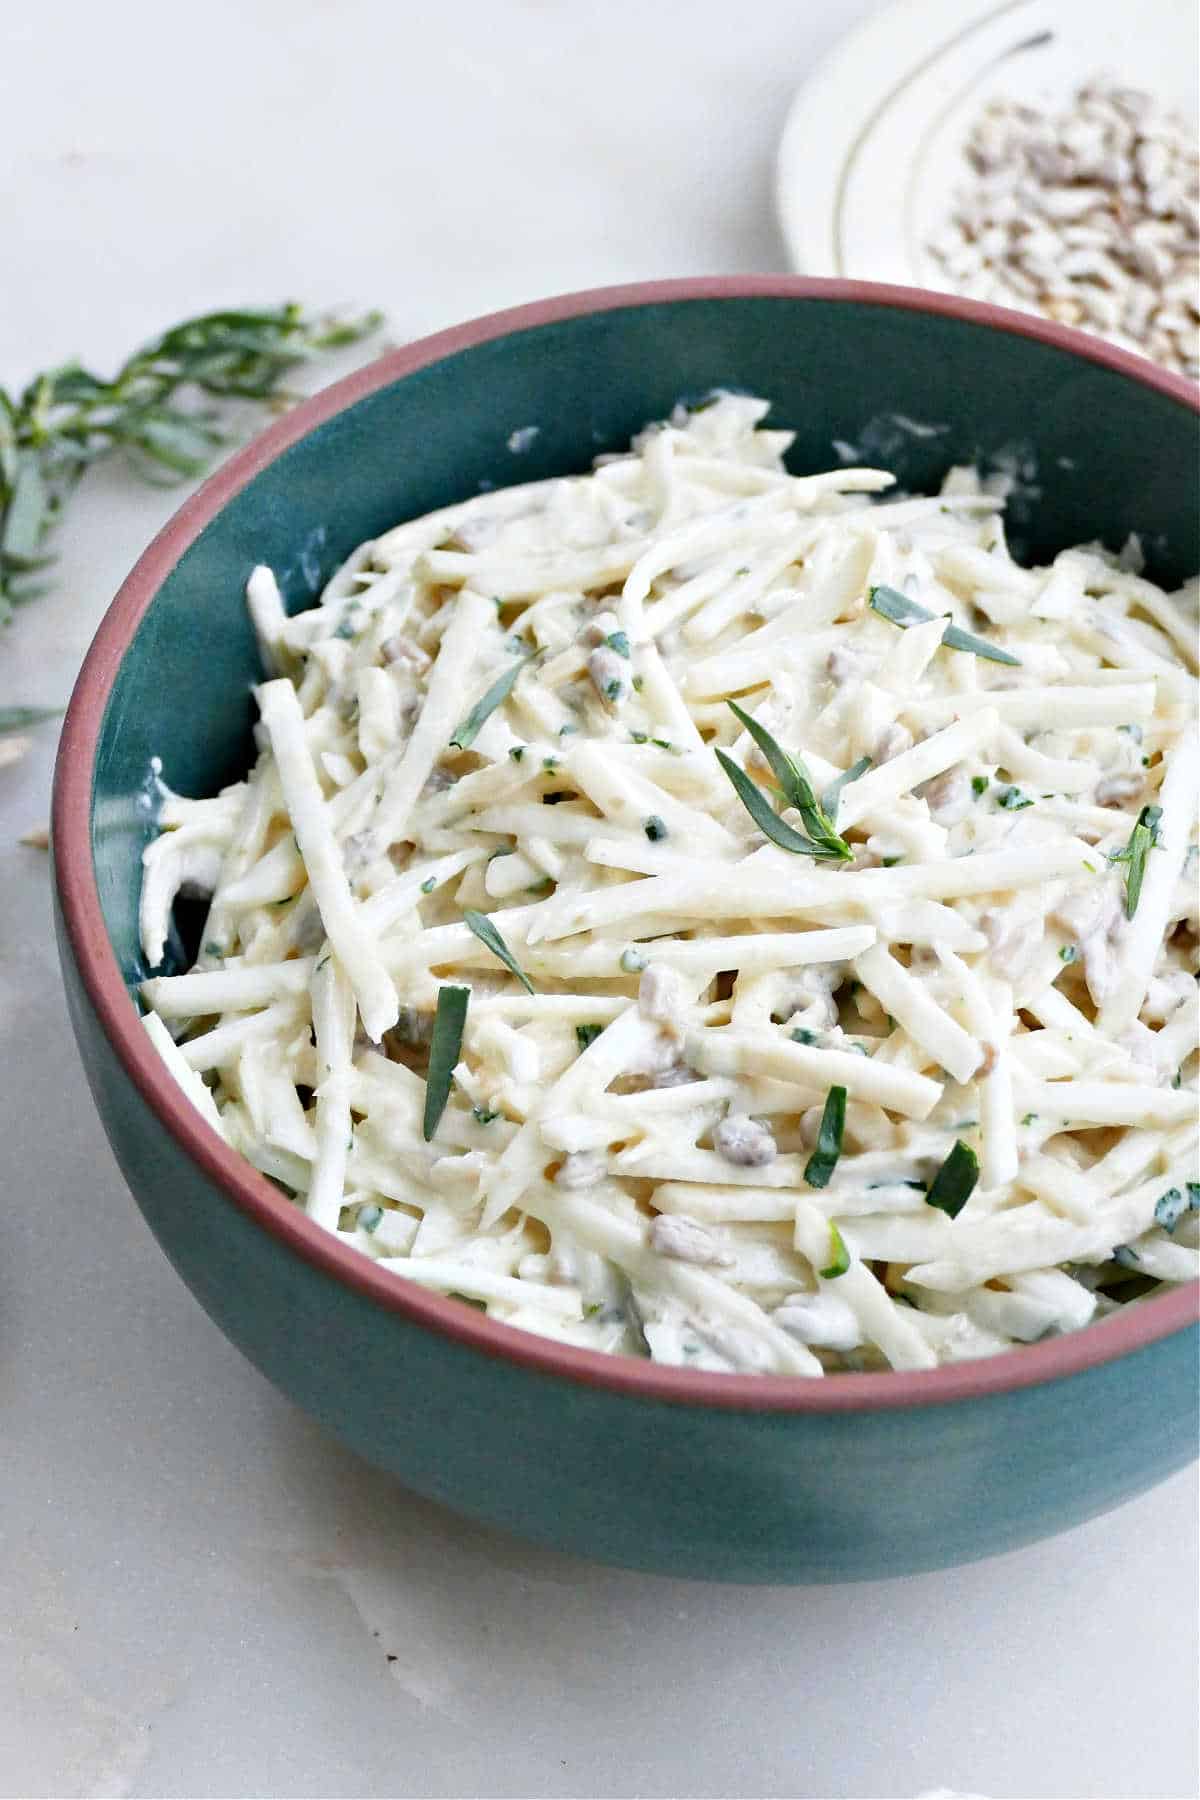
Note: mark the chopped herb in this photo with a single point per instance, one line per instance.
(1012, 799)
(1193, 1195)
(1028, 1118)
(640, 737)
(898, 609)
(802, 1035)
(551, 765)
(618, 641)
(1068, 953)
(1170, 1208)
(592, 1308)
(833, 793)
(490, 938)
(1126, 1256)
(347, 628)
(444, 1048)
(516, 752)
(1089, 866)
(568, 730)
(587, 1034)
(212, 948)
(612, 689)
(482, 1115)
(889, 862)
(796, 784)
(823, 1161)
(428, 885)
(632, 960)
(464, 735)
(654, 828)
(638, 684)
(838, 1252)
(980, 784)
(663, 743)
(1142, 839)
(955, 1181)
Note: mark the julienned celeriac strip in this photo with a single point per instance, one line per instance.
(977, 926)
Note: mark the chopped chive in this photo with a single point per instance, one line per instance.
(1012, 799)
(638, 684)
(444, 1048)
(955, 1181)
(490, 938)
(796, 785)
(1193, 1195)
(898, 609)
(568, 730)
(839, 1254)
(550, 765)
(612, 689)
(663, 743)
(889, 862)
(823, 1161)
(587, 1034)
(802, 1035)
(833, 793)
(1028, 1118)
(654, 828)
(1142, 839)
(618, 641)
(428, 885)
(1068, 953)
(464, 735)
(640, 737)
(763, 814)
(980, 784)
(517, 752)
(1126, 1256)
(1170, 1208)
(483, 1115)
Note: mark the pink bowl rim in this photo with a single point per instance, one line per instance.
(1133, 1329)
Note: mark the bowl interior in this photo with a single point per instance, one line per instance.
(1095, 453)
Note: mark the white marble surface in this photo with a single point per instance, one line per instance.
(199, 1593)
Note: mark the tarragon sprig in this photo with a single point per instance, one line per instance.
(151, 413)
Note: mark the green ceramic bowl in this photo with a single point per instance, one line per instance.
(743, 1478)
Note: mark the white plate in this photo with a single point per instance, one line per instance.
(872, 150)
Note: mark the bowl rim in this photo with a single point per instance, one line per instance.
(1132, 1329)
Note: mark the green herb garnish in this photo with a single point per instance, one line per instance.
(1068, 953)
(833, 793)
(428, 885)
(979, 784)
(1142, 839)
(898, 609)
(654, 828)
(764, 815)
(823, 1161)
(796, 784)
(464, 735)
(483, 1115)
(1126, 1256)
(955, 1181)
(618, 641)
(490, 938)
(1012, 799)
(68, 417)
(516, 752)
(20, 718)
(444, 1048)
(587, 1034)
(839, 1254)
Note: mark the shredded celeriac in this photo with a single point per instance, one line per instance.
(511, 707)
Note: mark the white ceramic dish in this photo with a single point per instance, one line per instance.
(872, 150)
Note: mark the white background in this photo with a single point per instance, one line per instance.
(199, 1593)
